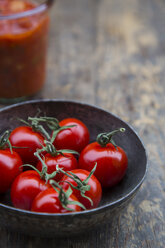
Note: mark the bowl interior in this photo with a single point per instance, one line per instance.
(97, 121)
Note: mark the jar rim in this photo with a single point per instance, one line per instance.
(38, 9)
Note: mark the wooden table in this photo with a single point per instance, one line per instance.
(111, 53)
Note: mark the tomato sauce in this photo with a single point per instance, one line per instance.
(23, 45)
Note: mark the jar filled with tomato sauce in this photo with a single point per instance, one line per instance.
(24, 26)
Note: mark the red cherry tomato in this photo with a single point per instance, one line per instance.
(25, 188)
(67, 162)
(111, 162)
(10, 163)
(29, 141)
(74, 138)
(48, 202)
(94, 193)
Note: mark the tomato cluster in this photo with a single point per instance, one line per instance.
(50, 166)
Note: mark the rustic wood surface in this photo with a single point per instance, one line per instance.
(111, 53)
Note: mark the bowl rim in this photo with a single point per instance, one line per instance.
(99, 208)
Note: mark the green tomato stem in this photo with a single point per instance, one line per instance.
(104, 138)
(64, 196)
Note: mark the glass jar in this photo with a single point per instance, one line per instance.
(24, 29)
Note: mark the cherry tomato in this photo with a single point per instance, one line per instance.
(75, 138)
(111, 161)
(48, 202)
(29, 141)
(25, 188)
(67, 162)
(94, 193)
(10, 163)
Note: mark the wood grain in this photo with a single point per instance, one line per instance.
(111, 53)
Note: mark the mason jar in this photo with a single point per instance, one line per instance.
(24, 27)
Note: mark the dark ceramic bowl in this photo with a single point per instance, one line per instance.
(113, 200)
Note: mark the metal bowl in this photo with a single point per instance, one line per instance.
(113, 200)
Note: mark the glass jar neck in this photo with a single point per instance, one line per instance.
(37, 10)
